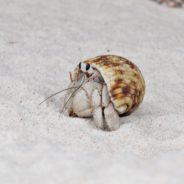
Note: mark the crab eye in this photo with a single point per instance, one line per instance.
(87, 67)
(82, 66)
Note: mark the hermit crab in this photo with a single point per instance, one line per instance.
(106, 88)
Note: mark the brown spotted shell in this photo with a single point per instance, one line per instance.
(124, 81)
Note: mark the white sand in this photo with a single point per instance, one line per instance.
(40, 42)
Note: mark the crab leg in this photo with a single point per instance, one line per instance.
(104, 114)
(111, 118)
(97, 109)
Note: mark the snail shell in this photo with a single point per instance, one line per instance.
(125, 83)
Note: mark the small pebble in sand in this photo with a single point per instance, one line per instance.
(171, 3)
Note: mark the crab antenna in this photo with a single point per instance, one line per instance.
(73, 94)
(56, 94)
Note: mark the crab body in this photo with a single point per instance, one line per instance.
(105, 88)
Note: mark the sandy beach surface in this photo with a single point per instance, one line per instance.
(40, 42)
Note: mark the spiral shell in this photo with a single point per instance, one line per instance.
(124, 81)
